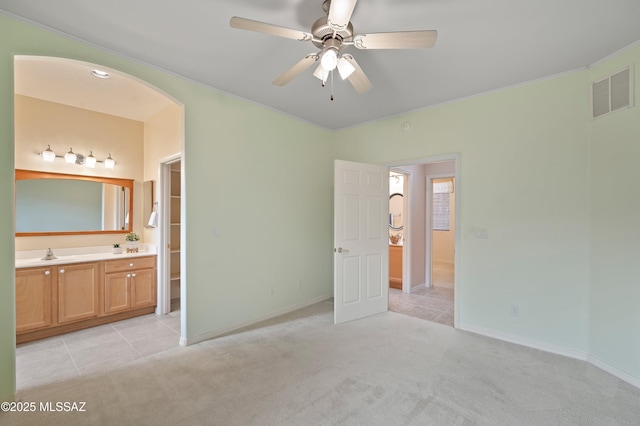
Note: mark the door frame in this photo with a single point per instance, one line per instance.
(456, 157)
(164, 235)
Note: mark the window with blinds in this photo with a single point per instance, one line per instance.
(441, 205)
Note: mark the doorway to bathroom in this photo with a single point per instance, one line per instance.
(429, 238)
(122, 125)
(399, 230)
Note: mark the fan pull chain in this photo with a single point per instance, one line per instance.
(332, 85)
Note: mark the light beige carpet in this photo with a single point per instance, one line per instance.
(300, 369)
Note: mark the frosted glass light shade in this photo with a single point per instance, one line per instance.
(109, 162)
(70, 157)
(345, 68)
(329, 59)
(321, 73)
(90, 161)
(48, 155)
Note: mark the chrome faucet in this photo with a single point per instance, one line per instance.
(49, 255)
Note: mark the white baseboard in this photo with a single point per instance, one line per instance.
(554, 349)
(632, 380)
(417, 287)
(530, 343)
(219, 332)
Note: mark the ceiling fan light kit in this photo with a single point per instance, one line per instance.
(333, 33)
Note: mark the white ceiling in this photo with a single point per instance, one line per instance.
(482, 46)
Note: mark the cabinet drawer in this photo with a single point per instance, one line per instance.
(129, 264)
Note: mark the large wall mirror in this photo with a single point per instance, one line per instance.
(395, 212)
(65, 204)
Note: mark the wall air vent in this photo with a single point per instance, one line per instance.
(612, 93)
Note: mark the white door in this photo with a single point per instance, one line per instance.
(361, 240)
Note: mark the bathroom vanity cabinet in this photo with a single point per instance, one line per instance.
(56, 299)
(33, 299)
(395, 266)
(129, 284)
(78, 291)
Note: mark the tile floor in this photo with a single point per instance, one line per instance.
(95, 349)
(432, 304)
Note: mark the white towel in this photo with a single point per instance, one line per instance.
(153, 220)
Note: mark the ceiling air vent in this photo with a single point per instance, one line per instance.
(612, 93)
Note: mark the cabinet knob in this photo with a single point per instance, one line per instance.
(62, 271)
(133, 275)
(128, 275)
(47, 272)
(131, 264)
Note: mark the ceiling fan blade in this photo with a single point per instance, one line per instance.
(340, 12)
(293, 72)
(262, 27)
(358, 78)
(398, 40)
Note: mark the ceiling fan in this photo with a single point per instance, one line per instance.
(331, 34)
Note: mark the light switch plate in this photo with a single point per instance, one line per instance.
(482, 233)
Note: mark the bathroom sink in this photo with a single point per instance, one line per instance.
(21, 262)
(35, 260)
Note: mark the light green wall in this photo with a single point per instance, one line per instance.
(7, 223)
(615, 228)
(263, 178)
(524, 174)
(266, 181)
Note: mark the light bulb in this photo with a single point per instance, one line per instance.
(329, 59)
(70, 157)
(90, 161)
(109, 163)
(345, 68)
(48, 155)
(100, 74)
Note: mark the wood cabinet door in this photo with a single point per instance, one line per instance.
(33, 299)
(395, 267)
(78, 287)
(117, 292)
(144, 288)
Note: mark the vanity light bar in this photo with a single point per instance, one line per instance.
(73, 158)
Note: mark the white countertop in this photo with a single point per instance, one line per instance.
(33, 258)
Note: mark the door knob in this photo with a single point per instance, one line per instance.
(340, 250)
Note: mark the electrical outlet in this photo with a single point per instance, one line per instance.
(299, 284)
(216, 232)
(515, 311)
